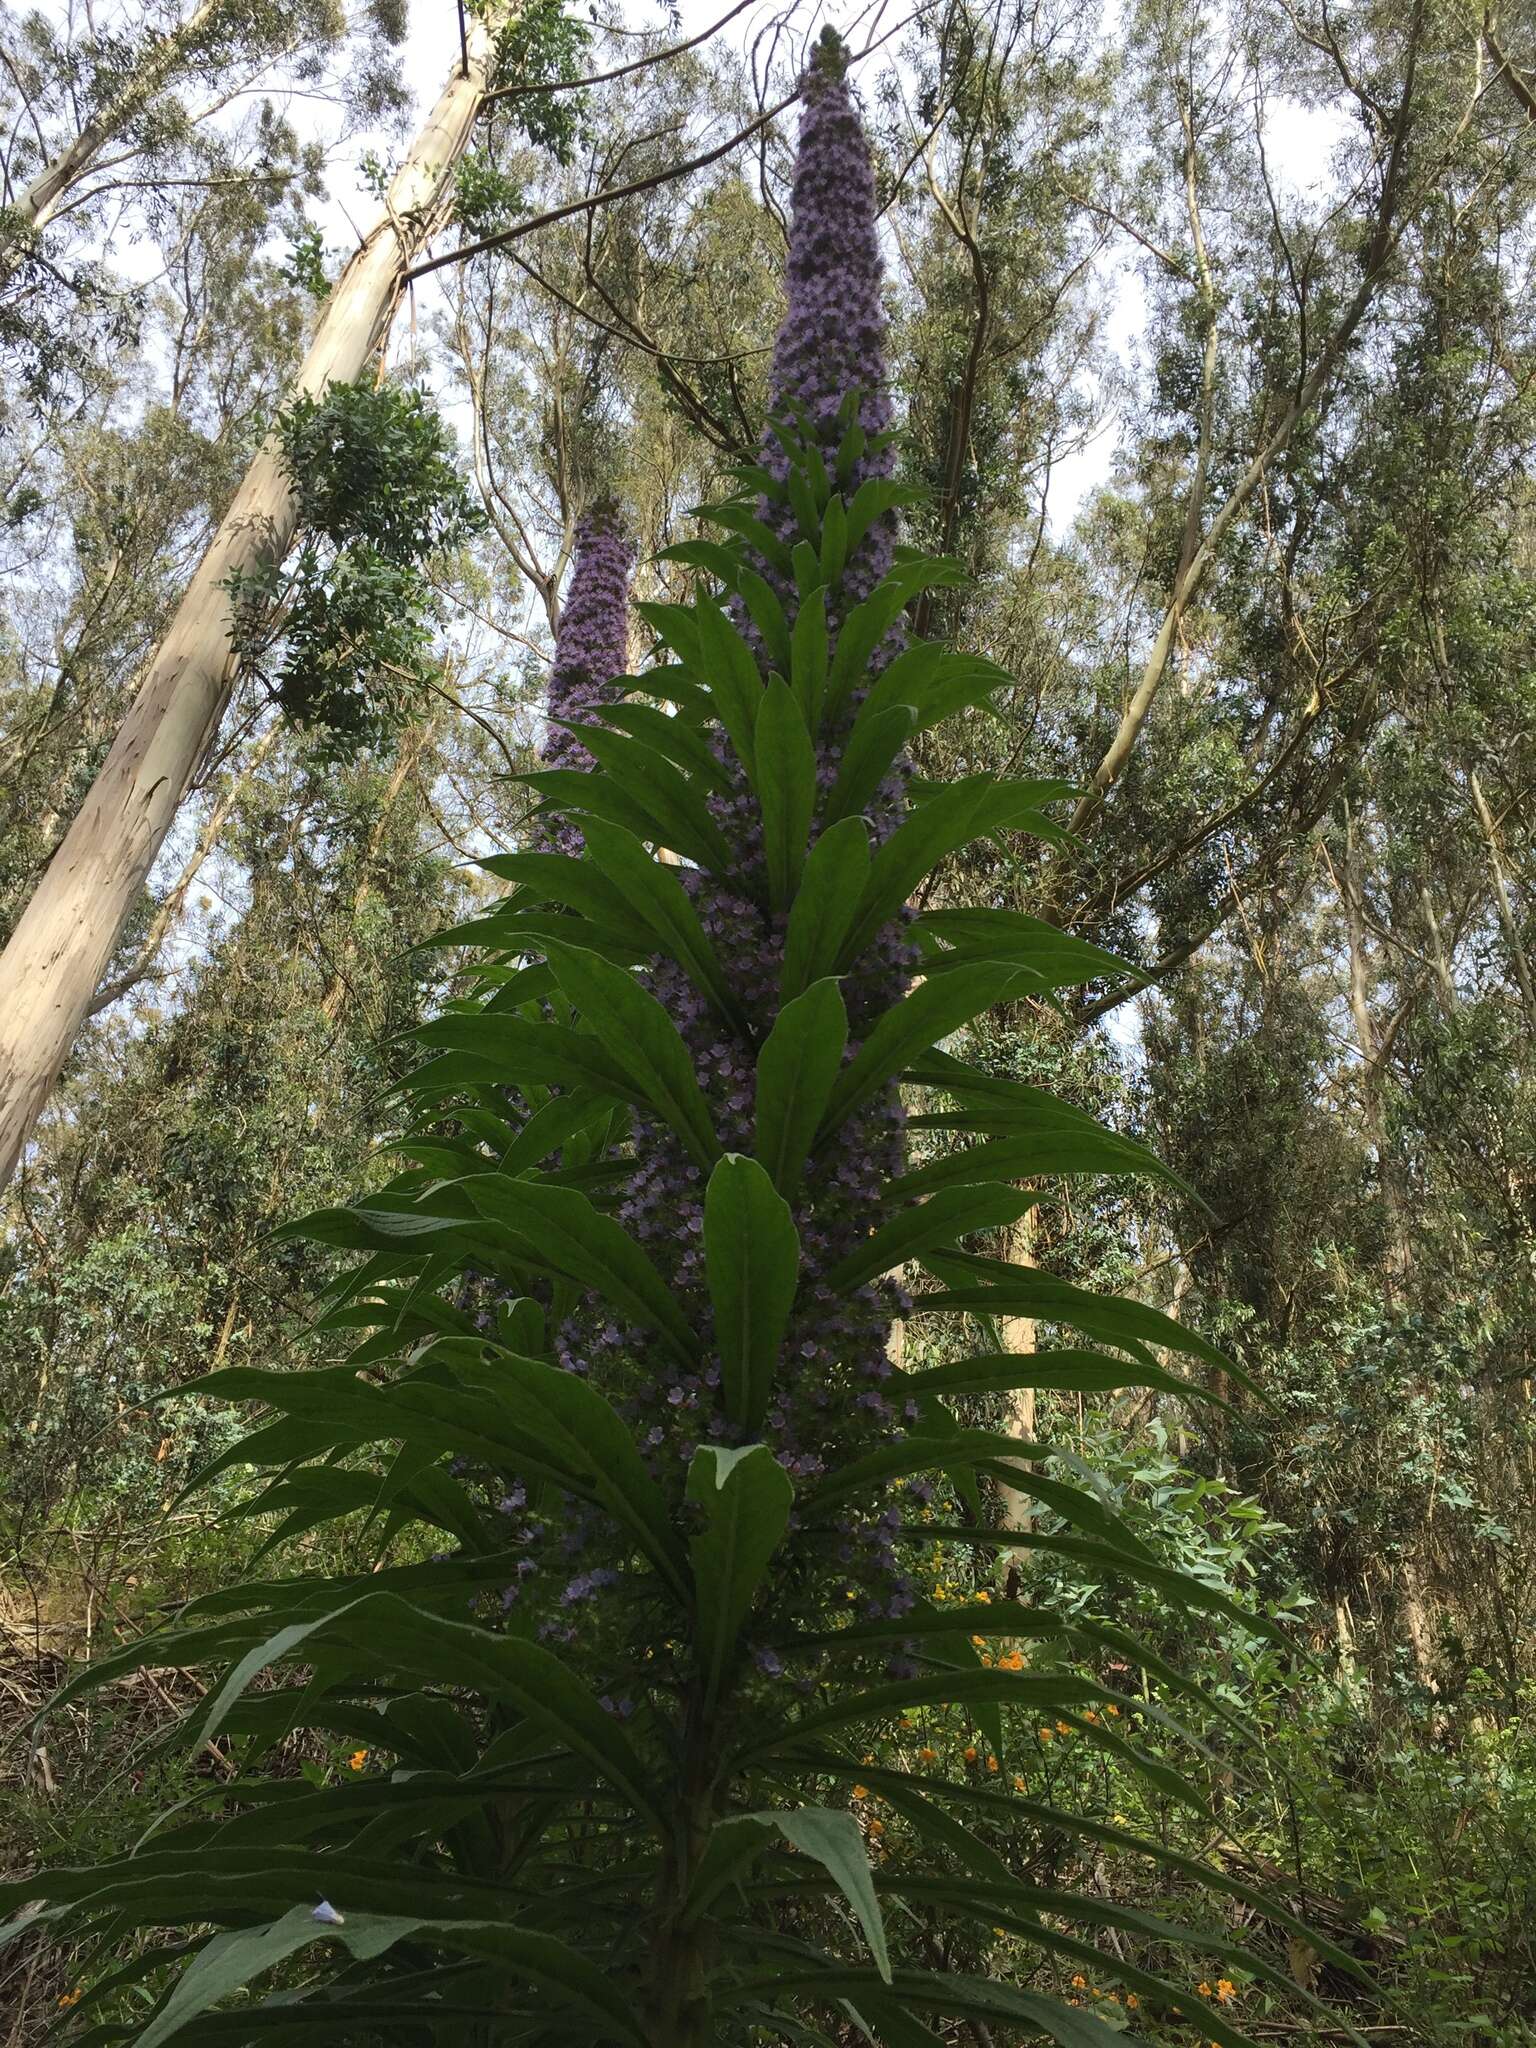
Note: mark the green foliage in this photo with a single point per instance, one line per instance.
(549, 1859)
(306, 261)
(539, 44)
(347, 621)
(485, 198)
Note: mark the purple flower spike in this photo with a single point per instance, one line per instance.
(591, 647)
(832, 340)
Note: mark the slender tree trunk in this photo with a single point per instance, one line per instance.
(35, 207)
(1437, 953)
(1399, 1262)
(1372, 1055)
(1020, 1336)
(175, 897)
(67, 935)
(1507, 919)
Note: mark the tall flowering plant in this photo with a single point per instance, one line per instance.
(645, 1583)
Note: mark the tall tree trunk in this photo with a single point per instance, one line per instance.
(67, 935)
(1020, 1337)
(1373, 1049)
(33, 208)
(1374, 1045)
(1507, 919)
(171, 904)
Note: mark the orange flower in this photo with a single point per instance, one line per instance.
(991, 1763)
(877, 1827)
(1132, 2000)
(1047, 1734)
(927, 1756)
(1204, 1990)
(1113, 1712)
(1019, 1785)
(357, 1759)
(1079, 1983)
(861, 1792)
(979, 1641)
(72, 1997)
(1092, 1717)
(1063, 1727)
(1226, 1990)
(970, 1755)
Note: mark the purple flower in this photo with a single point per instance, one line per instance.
(591, 647)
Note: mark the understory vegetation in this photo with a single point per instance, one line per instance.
(784, 1291)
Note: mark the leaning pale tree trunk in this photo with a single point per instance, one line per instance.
(69, 931)
(33, 208)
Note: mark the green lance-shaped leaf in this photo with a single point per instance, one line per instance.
(897, 2027)
(679, 739)
(803, 503)
(752, 1259)
(970, 1449)
(936, 682)
(833, 1840)
(717, 557)
(587, 792)
(676, 804)
(951, 1213)
(653, 893)
(558, 878)
(737, 518)
(832, 886)
(1064, 961)
(875, 496)
(796, 1072)
(559, 1231)
(868, 623)
(231, 1960)
(401, 1637)
(996, 1287)
(581, 1433)
(960, 812)
(744, 1497)
(931, 1011)
(732, 1845)
(786, 781)
(553, 1124)
(1073, 1149)
(834, 540)
(640, 1037)
(807, 670)
(1067, 1371)
(1050, 1691)
(867, 759)
(726, 664)
(508, 1052)
(767, 614)
(676, 626)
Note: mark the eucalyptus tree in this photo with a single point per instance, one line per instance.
(61, 945)
(111, 500)
(110, 114)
